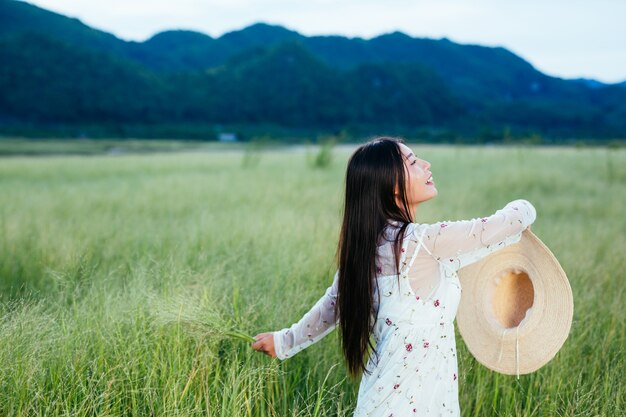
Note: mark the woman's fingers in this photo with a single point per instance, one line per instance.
(264, 343)
(261, 336)
(260, 343)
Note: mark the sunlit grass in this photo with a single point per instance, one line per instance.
(130, 283)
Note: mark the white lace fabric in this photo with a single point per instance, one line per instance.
(446, 245)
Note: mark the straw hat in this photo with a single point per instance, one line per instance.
(516, 307)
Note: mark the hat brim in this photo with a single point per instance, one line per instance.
(533, 342)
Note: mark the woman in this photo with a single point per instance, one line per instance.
(399, 284)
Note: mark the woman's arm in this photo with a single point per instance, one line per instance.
(460, 243)
(313, 326)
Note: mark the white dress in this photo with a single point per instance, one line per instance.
(416, 372)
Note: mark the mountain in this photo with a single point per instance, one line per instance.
(49, 80)
(302, 85)
(469, 69)
(53, 69)
(589, 82)
(18, 17)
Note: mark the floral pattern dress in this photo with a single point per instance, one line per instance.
(414, 367)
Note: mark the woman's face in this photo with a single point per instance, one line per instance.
(419, 184)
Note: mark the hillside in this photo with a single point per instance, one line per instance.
(53, 69)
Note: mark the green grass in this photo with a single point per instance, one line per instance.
(126, 281)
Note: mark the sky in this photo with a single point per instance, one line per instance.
(562, 38)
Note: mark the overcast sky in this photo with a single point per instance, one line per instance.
(564, 38)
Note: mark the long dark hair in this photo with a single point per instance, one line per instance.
(374, 171)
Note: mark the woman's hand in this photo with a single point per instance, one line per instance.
(264, 343)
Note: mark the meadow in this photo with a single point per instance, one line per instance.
(121, 276)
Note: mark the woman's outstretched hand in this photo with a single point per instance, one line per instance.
(264, 343)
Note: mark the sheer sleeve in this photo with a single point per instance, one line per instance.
(313, 326)
(463, 242)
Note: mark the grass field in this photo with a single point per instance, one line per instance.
(120, 276)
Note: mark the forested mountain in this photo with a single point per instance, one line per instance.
(55, 70)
